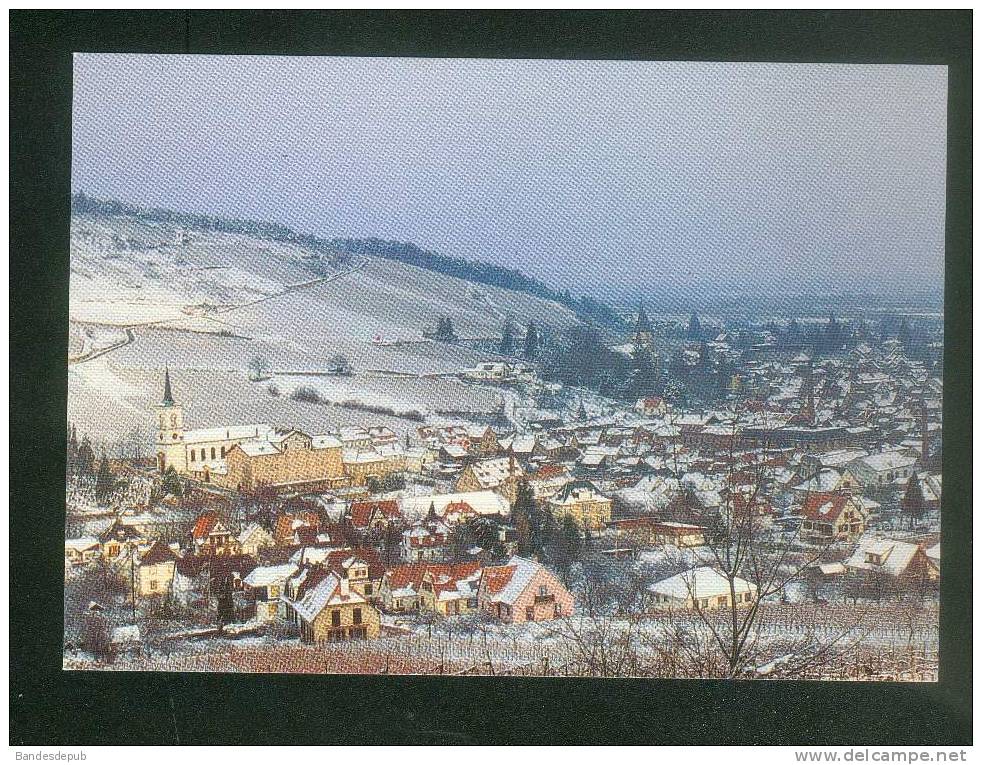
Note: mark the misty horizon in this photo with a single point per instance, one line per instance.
(618, 180)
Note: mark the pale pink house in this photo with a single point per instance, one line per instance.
(523, 591)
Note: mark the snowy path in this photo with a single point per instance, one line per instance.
(292, 288)
(88, 352)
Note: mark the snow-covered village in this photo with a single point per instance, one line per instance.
(505, 368)
(288, 455)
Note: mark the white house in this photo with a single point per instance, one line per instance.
(883, 468)
(268, 584)
(701, 588)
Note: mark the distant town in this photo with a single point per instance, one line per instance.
(663, 497)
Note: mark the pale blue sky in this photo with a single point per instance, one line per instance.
(608, 178)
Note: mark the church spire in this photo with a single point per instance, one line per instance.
(168, 396)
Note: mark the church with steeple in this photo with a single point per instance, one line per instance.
(644, 337)
(245, 457)
(170, 431)
(189, 451)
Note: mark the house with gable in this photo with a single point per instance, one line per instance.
(400, 588)
(523, 591)
(154, 572)
(450, 589)
(499, 474)
(254, 538)
(906, 561)
(831, 517)
(211, 536)
(582, 501)
(426, 540)
(267, 584)
(327, 609)
(375, 516)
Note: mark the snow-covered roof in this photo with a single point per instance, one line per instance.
(258, 448)
(325, 593)
(263, 576)
(484, 503)
(894, 556)
(251, 530)
(81, 544)
(700, 582)
(505, 584)
(493, 472)
(229, 433)
(887, 461)
(325, 441)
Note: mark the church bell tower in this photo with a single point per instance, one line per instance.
(643, 335)
(170, 431)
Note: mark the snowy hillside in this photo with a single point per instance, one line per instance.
(148, 294)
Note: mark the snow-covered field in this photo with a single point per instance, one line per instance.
(205, 303)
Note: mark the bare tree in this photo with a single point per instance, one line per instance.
(756, 560)
(258, 368)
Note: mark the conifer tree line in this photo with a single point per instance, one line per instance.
(340, 250)
(539, 534)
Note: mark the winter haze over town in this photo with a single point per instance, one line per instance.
(499, 367)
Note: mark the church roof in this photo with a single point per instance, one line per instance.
(168, 399)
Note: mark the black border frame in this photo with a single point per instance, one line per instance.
(49, 706)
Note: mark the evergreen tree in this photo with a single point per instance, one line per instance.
(524, 512)
(86, 457)
(391, 540)
(694, 331)
(431, 516)
(225, 612)
(171, 482)
(568, 545)
(507, 346)
(104, 480)
(913, 504)
(549, 531)
(461, 540)
(531, 341)
(581, 412)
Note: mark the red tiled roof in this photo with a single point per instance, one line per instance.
(406, 574)
(496, 578)
(548, 471)
(460, 507)
(203, 526)
(284, 529)
(824, 505)
(412, 573)
(654, 524)
(361, 512)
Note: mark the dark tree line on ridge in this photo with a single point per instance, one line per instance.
(586, 308)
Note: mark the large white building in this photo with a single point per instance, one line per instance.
(188, 450)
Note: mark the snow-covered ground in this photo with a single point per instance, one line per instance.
(205, 303)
